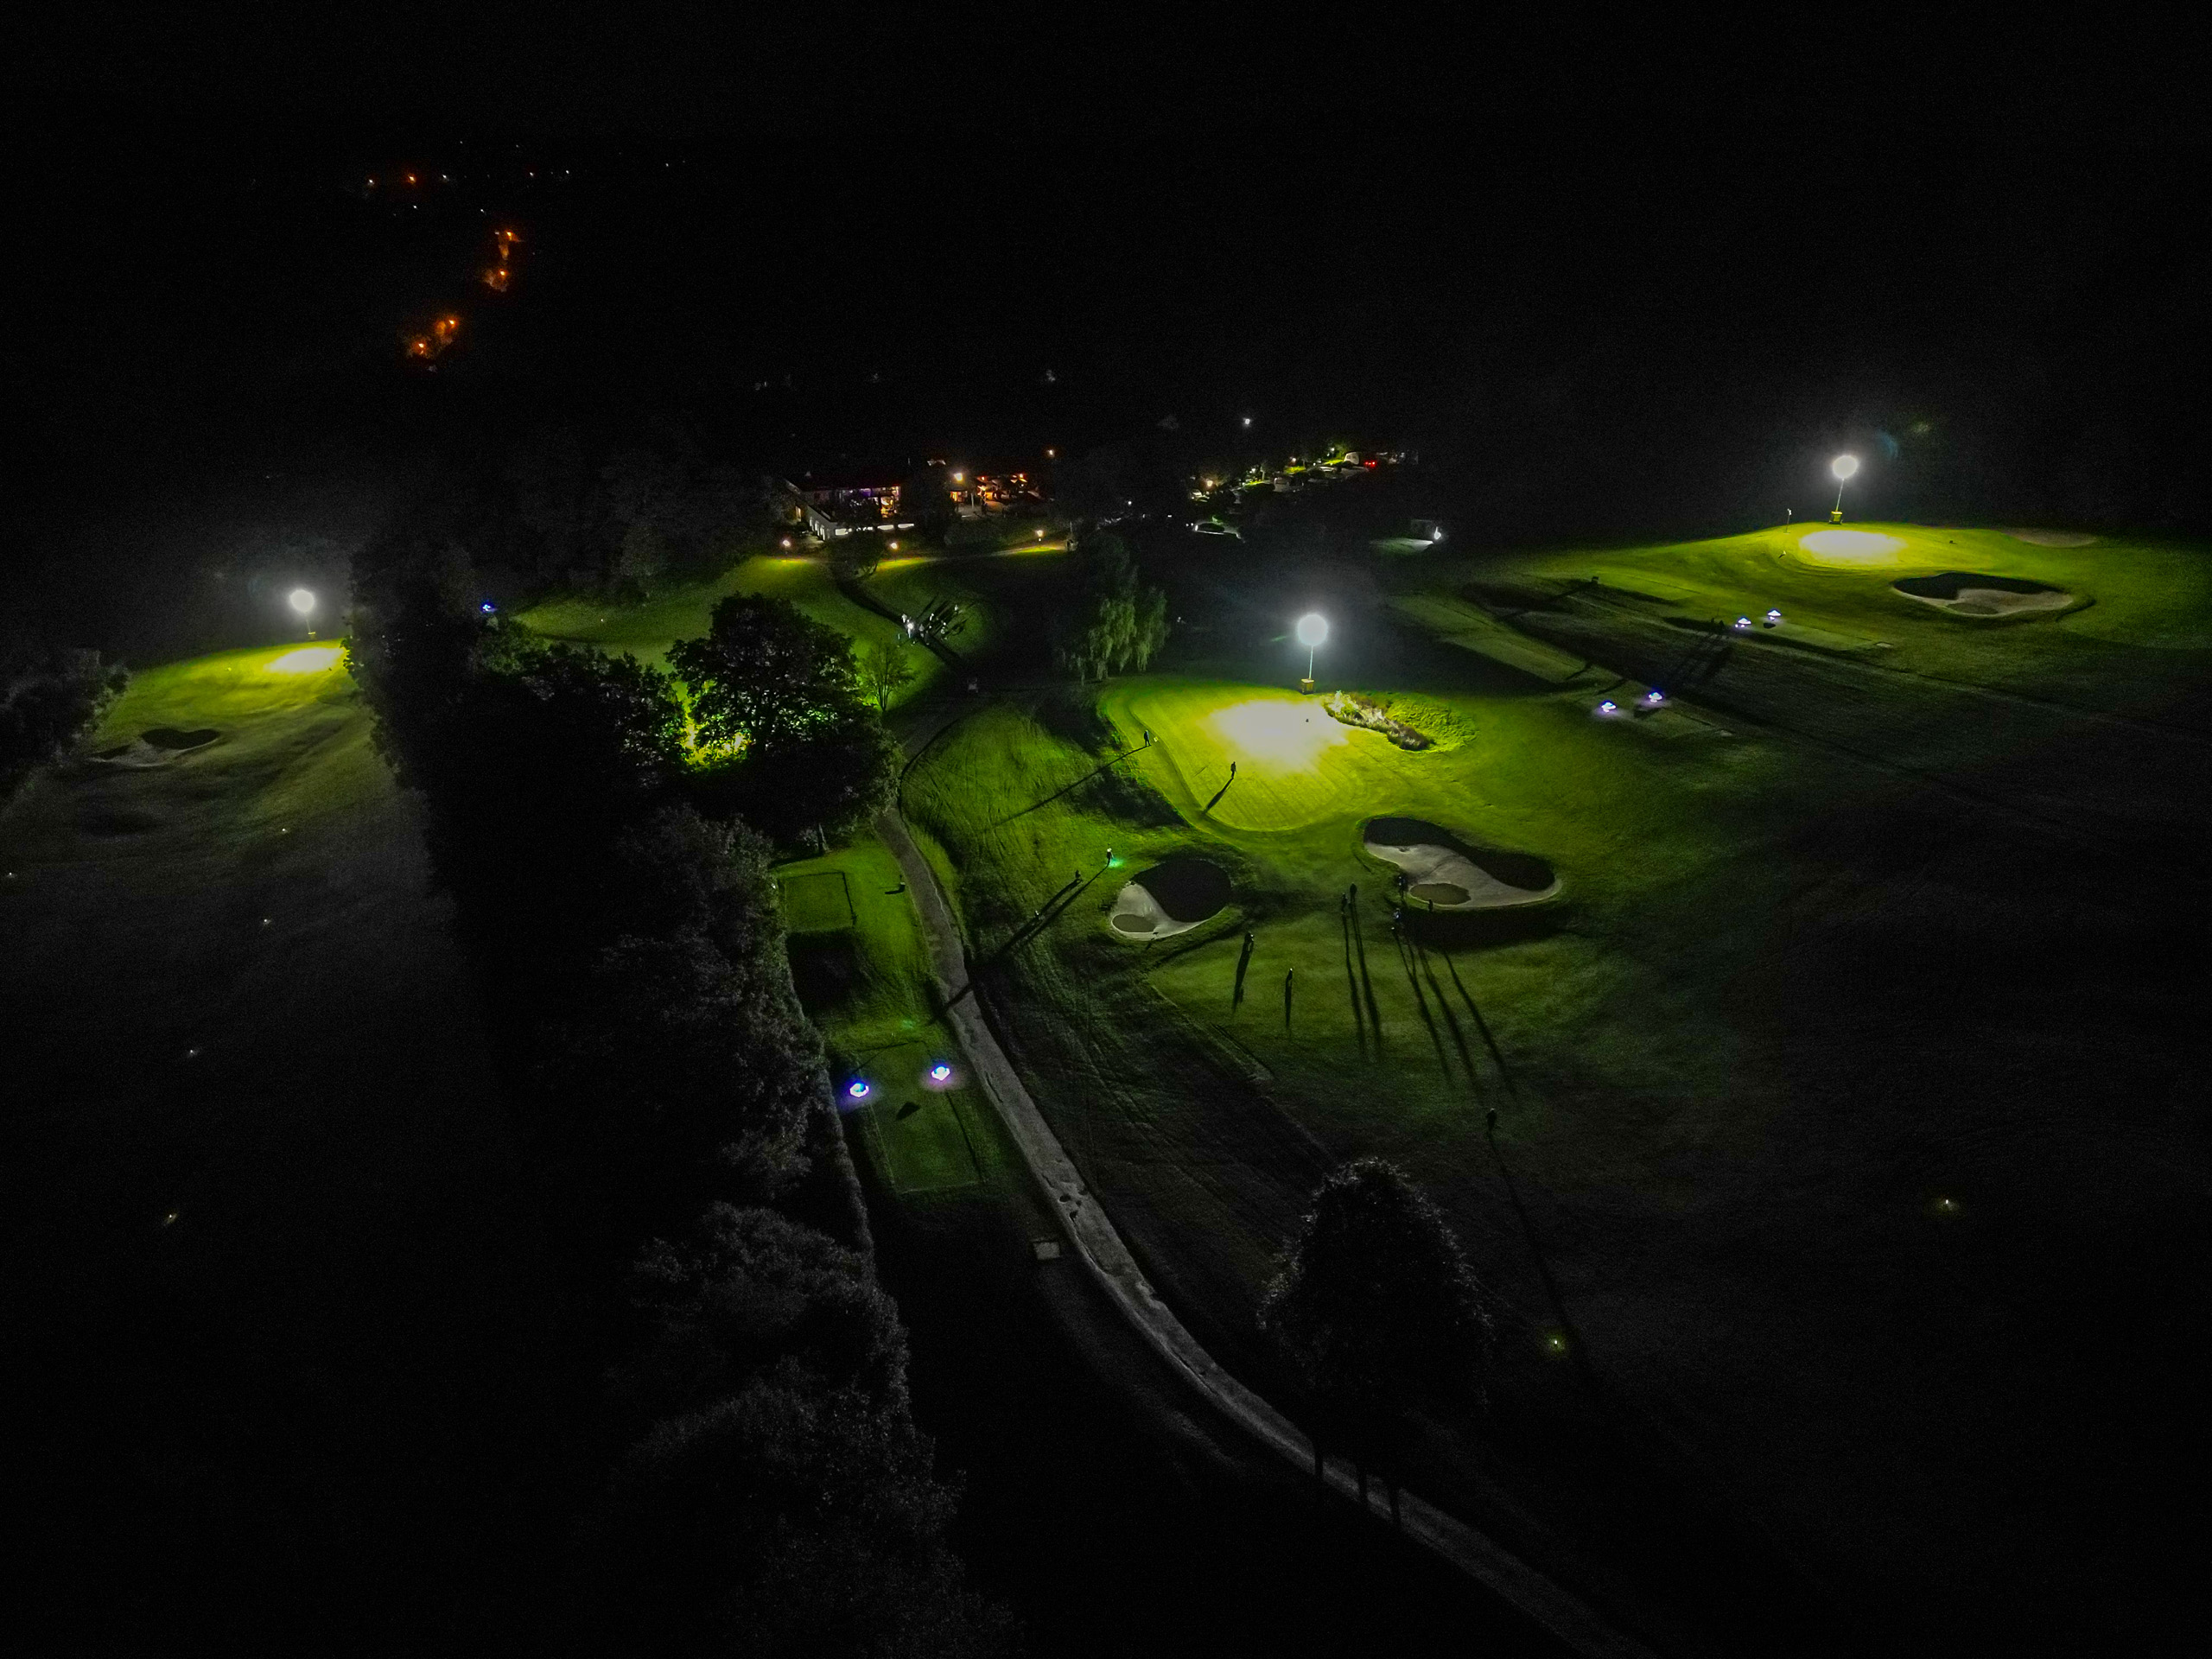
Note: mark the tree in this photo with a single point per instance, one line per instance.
(765, 673)
(1376, 1307)
(1123, 622)
(48, 699)
(771, 682)
(780, 1520)
(925, 500)
(752, 1293)
(884, 671)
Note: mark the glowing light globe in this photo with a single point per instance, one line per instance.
(301, 601)
(1844, 465)
(940, 1071)
(1312, 629)
(857, 1089)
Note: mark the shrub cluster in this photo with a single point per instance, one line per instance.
(1355, 711)
(48, 699)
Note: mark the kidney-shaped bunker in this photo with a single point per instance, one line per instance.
(1968, 593)
(1170, 898)
(1445, 871)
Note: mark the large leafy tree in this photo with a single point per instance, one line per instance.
(1376, 1307)
(884, 671)
(1123, 621)
(765, 673)
(770, 680)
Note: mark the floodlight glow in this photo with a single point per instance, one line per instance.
(487, 608)
(1844, 465)
(309, 659)
(1609, 707)
(857, 1089)
(1277, 730)
(1742, 622)
(940, 1071)
(301, 601)
(1655, 697)
(1774, 616)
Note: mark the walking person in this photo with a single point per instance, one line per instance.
(1288, 979)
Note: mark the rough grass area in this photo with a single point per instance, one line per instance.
(273, 1272)
(1726, 1112)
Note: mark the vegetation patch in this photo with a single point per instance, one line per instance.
(1367, 713)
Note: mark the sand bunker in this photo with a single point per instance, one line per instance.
(1851, 546)
(1966, 593)
(1169, 898)
(2052, 537)
(168, 737)
(1444, 871)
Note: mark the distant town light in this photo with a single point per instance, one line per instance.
(301, 601)
(487, 608)
(787, 541)
(1247, 420)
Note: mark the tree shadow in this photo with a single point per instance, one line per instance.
(1104, 766)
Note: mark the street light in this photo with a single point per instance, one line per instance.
(1312, 629)
(301, 601)
(1843, 466)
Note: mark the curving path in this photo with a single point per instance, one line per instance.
(1101, 1248)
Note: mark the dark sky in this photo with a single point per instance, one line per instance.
(1598, 278)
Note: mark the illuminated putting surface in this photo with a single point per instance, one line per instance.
(1295, 765)
(1852, 546)
(307, 659)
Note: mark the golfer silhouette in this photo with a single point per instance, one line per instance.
(1287, 978)
(1232, 768)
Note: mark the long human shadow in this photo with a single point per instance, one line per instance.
(1575, 1348)
(1352, 984)
(1104, 766)
(1244, 962)
(1504, 1071)
(1366, 980)
(1042, 917)
(1413, 983)
(1451, 1020)
(1218, 794)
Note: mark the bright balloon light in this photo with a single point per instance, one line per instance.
(1844, 465)
(301, 601)
(1312, 629)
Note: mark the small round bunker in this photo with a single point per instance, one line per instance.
(1446, 873)
(1172, 897)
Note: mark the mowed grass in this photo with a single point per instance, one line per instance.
(863, 970)
(646, 628)
(1842, 956)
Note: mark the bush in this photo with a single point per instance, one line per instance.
(48, 699)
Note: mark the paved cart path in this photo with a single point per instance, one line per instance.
(1096, 1242)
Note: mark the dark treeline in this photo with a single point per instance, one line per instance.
(762, 1485)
